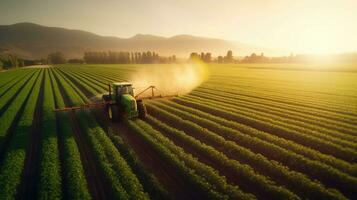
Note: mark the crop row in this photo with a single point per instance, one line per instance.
(49, 164)
(263, 124)
(8, 96)
(324, 93)
(317, 170)
(286, 144)
(75, 181)
(14, 159)
(291, 124)
(282, 110)
(109, 159)
(331, 108)
(8, 116)
(273, 169)
(200, 184)
(151, 185)
(284, 105)
(8, 82)
(326, 98)
(245, 173)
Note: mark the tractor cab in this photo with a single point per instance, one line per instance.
(121, 88)
(120, 102)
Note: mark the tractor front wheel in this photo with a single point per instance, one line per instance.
(142, 109)
(113, 113)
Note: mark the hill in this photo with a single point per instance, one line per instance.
(35, 41)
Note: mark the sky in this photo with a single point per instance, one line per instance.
(298, 26)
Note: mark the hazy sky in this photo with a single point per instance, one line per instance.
(317, 26)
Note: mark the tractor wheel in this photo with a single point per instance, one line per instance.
(113, 113)
(142, 109)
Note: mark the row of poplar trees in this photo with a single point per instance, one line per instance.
(123, 57)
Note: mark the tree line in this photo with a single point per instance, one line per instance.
(124, 57)
(207, 57)
(9, 61)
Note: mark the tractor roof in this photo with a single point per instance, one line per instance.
(122, 84)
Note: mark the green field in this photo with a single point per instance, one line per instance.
(247, 132)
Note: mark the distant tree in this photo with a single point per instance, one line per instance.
(194, 55)
(220, 59)
(1, 65)
(173, 58)
(56, 58)
(254, 58)
(229, 57)
(76, 61)
(132, 58)
(202, 56)
(207, 58)
(9, 61)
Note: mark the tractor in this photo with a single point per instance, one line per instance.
(121, 103)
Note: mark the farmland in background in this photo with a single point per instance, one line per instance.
(247, 132)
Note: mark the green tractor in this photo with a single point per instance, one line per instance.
(121, 102)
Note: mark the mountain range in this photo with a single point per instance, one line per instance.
(29, 40)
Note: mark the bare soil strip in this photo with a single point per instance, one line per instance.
(97, 186)
(27, 188)
(174, 183)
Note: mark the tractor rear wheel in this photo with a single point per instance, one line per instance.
(142, 109)
(113, 113)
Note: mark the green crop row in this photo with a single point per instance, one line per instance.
(263, 124)
(209, 173)
(49, 185)
(13, 162)
(86, 84)
(260, 163)
(75, 182)
(300, 108)
(96, 82)
(317, 170)
(11, 80)
(286, 144)
(124, 183)
(148, 180)
(202, 187)
(15, 89)
(111, 162)
(289, 90)
(7, 118)
(265, 187)
(317, 123)
(305, 103)
(75, 89)
(292, 124)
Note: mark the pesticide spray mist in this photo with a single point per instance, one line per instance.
(170, 79)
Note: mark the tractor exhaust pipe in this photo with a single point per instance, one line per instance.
(110, 89)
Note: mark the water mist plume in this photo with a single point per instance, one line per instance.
(170, 79)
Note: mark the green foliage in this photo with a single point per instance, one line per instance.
(56, 58)
(211, 175)
(148, 180)
(49, 166)
(14, 159)
(198, 182)
(17, 100)
(76, 183)
(277, 134)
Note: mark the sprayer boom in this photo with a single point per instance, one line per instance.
(85, 106)
(152, 88)
(117, 94)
